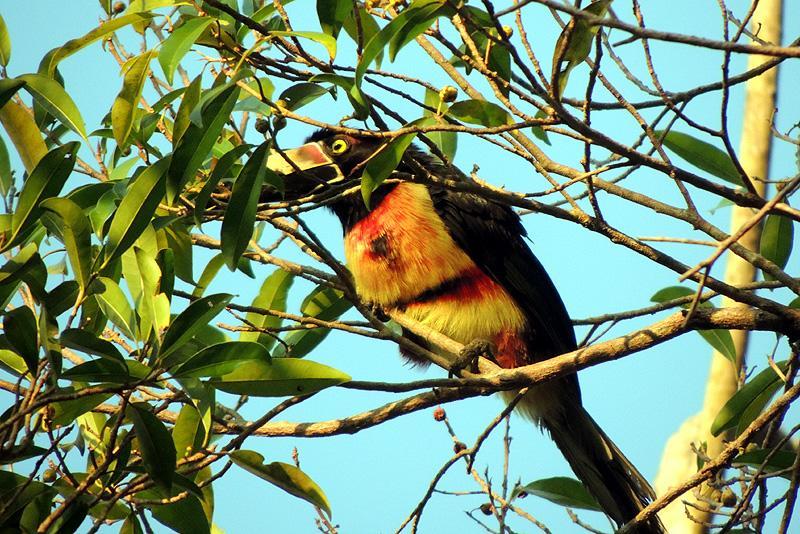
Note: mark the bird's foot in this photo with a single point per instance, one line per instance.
(469, 355)
(378, 311)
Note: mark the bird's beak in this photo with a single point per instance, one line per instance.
(305, 158)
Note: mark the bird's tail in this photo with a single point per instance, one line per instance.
(608, 475)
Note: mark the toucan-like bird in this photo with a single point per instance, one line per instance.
(458, 263)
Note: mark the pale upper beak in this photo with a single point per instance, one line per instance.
(303, 158)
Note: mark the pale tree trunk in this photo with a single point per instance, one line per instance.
(678, 461)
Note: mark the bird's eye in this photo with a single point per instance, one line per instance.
(339, 146)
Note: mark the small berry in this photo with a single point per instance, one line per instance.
(439, 414)
(262, 126)
(278, 122)
(508, 31)
(49, 475)
(459, 446)
(728, 498)
(448, 94)
(486, 508)
(118, 7)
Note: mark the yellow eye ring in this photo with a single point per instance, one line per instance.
(339, 146)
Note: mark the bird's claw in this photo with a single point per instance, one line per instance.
(468, 356)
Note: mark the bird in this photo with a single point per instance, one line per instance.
(459, 264)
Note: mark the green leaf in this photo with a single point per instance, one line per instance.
(197, 141)
(26, 266)
(115, 305)
(16, 491)
(272, 296)
(12, 363)
(61, 298)
(564, 491)
(5, 43)
(188, 433)
(332, 14)
(155, 444)
(207, 276)
(65, 412)
(240, 214)
(361, 105)
(21, 332)
(776, 241)
(282, 377)
(287, 477)
(720, 340)
(222, 169)
(8, 88)
(178, 44)
(55, 56)
(575, 43)
(126, 104)
(185, 516)
(779, 460)
(383, 163)
(88, 343)
(190, 100)
(446, 141)
(75, 232)
(322, 303)
(747, 403)
(55, 100)
(131, 525)
(480, 112)
(702, 155)
(136, 209)
(45, 181)
(221, 359)
(196, 315)
(108, 371)
(24, 133)
(300, 94)
(324, 39)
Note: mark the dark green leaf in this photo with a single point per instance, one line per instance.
(332, 14)
(222, 169)
(16, 491)
(196, 315)
(221, 359)
(46, 180)
(575, 43)
(26, 266)
(178, 44)
(88, 343)
(702, 155)
(747, 403)
(21, 332)
(136, 209)
(155, 444)
(65, 412)
(564, 491)
(480, 112)
(281, 377)
(322, 303)
(300, 94)
(61, 298)
(8, 88)
(185, 516)
(75, 232)
(776, 241)
(131, 525)
(361, 105)
(287, 477)
(108, 371)
(779, 460)
(271, 296)
(382, 164)
(240, 214)
(127, 102)
(54, 99)
(197, 141)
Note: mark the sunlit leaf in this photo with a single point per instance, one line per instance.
(777, 238)
(272, 296)
(178, 44)
(127, 102)
(188, 433)
(75, 232)
(564, 491)
(115, 305)
(480, 112)
(281, 377)
(324, 39)
(575, 43)
(747, 403)
(45, 181)
(702, 155)
(446, 141)
(222, 169)
(24, 133)
(55, 100)
(136, 209)
(221, 359)
(287, 477)
(5, 43)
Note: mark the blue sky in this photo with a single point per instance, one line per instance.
(375, 478)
